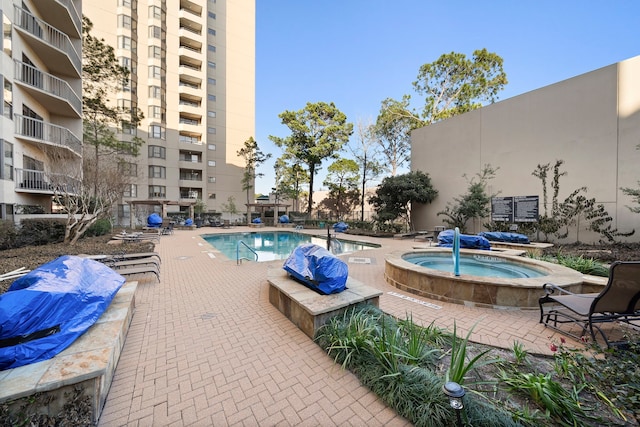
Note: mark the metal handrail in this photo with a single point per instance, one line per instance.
(238, 259)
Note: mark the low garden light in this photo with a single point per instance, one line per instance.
(455, 393)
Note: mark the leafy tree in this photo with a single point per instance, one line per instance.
(89, 193)
(342, 181)
(475, 204)
(366, 156)
(231, 208)
(396, 194)
(290, 180)
(452, 85)
(393, 134)
(253, 158)
(318, 131)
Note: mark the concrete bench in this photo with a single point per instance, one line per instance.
(309, 310)
(90, 362)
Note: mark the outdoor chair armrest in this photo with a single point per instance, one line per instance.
(550, 289)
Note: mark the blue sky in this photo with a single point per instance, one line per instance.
(356, 53)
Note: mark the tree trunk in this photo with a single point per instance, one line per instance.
(312, 172)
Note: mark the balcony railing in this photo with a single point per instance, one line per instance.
(49, 35)
(61, 14)
(48, 133)
(48, 84)
(42, 182)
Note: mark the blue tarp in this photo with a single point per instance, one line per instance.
(188, 221)
(256, 221)
(467, 241)
(500, 236)
(154, 220)
(45, 311)
(284, 219)
(340, 226)
(317, 269)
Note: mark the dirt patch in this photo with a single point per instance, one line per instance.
(32, 257)
(603, 253)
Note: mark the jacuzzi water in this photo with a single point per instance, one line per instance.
(273, 245)
(475, 265)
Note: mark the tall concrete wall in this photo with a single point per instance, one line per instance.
(591, 121)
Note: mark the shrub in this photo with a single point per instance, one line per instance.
(8, 235)
(36, 231)
(99, 228)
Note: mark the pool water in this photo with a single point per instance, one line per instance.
(274, 245)
(476, 265)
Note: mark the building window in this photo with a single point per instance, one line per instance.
(211, 81)
(211, 31)
(212, 15)
(211, 97)
(125, 21)
(7, 98)
(211, 64)
(127, 43)
(212, 195)
(211, 163)
(125, 104)
(212, 147)
(131, 190)
(211, 131)
(132, 4)
(156, 12)
(155, 52)
(129, 64)
(156, 112)
(6, 160)
(211, 48)
(157, 131)
(128, 169)
(157, 172)
(127, 147)
(157, 191)
(211, 179)
(127, 128)
(155, 92)
(211, 113)
(156, 32)
(6, 35)
(157, 152)
(155, 72)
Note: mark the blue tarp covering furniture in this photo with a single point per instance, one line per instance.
(188, 221)
(467, 241)
(500, 236)
(154, 220)
(340, 226)
(317, 269)
(256, 221)
(284, 219)
(45, 311)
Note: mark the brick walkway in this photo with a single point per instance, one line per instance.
(207, 348)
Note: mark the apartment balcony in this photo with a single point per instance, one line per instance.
(53, 93)
(40, 182)
(192, 138)
(190, 55)
(190, 109)
(50, 135)
(189, 15)
(190, 74)
(190, 91)
(52, 46)
(61, 14)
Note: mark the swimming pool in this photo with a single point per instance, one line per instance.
(274, 245)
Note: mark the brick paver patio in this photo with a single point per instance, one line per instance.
(207, 348)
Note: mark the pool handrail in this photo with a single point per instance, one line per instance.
(238, 259)
(456, 251)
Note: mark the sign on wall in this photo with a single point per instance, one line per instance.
(514, 209)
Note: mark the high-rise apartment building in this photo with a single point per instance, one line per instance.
(41, 109)
(192, 68)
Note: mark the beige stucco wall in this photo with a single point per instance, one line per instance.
(591, 121)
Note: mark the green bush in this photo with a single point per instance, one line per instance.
(8, 235)
(99, 228)
(36, 231)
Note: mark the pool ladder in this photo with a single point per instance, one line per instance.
(238, 258)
